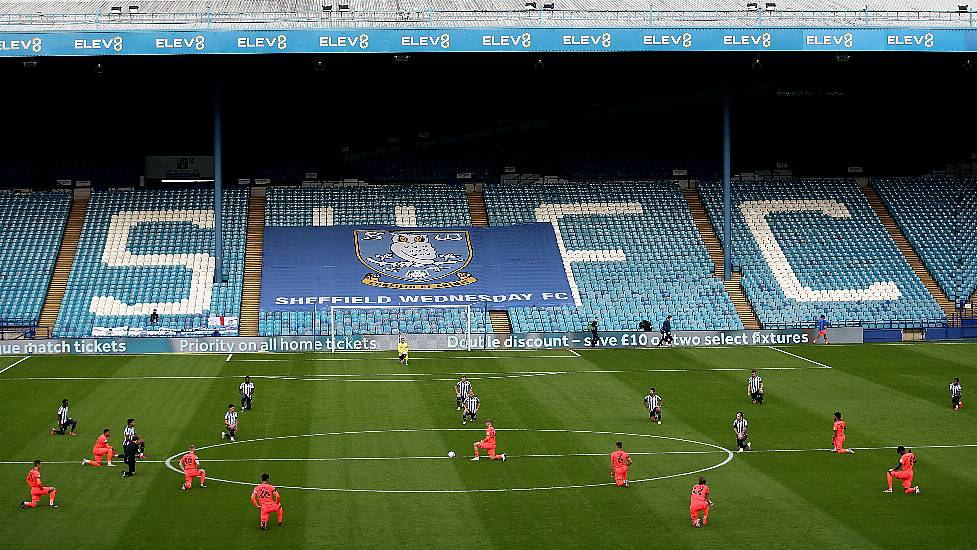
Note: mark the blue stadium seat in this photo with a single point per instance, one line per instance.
(33, 224)
(813, 247)
(640, 255)
(939, 218)
(154, 249)
(428, 205)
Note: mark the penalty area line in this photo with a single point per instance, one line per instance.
(21, 360)
(821, 365)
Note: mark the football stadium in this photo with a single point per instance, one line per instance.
(493, 273)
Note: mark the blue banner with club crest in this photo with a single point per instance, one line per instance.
(317, 267)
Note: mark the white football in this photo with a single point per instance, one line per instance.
(451, 454)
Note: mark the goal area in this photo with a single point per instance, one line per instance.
(426, 328)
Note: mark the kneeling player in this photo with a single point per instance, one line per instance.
(488, 443)
(740, 427)
(230, 423)
(838, 439)
(903, 471)
(266, 498)
(191, 469)
(101, 448)
(402, 351)
(700, 503)
(37, 489)
(620, 461)
(471, 403)
(956, 394)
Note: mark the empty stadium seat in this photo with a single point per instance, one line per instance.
(429, 205)
(33, 224)
(939, 218)
(154, 249)
(813, 247)
(633, 252)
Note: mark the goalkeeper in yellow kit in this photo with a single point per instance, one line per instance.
(402, 350)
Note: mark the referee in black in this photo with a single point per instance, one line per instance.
(130, 447)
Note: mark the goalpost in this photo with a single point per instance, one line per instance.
(451, 329)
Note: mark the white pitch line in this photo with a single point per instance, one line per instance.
(22, 359)
(228, 360)
(574, 352)
(442, 457)
(31, 462)
(409, 377)
(460, 357)
(298, 377)
(372, 458)
(960, 446)
(729, 457)
(822, 365)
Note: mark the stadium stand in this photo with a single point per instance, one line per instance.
(431, 205)
(33, 224)
(632, 250)
(31, 14)
(153, 249)
(939, 218)
(813, 247)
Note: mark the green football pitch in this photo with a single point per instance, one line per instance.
(358, 445)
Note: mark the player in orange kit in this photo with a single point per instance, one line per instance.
(838, 438)
(619, 466)
(38, 490)
(700, 502)
(488, 443)
(904, 471)
(102, 448)
(191, 469)
(266, 498)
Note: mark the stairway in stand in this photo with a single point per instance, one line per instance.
(476, 206)
(62, 266)
(500, 321)
(919, 268)
(251, 285)
(733, 287)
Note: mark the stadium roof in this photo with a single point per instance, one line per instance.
(118, 15)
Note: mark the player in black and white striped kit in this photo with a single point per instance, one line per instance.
(740, 426)
(64, 421)
(653, 402)
(956, 394)
(462, 388)
(132, 446)
(247, 392)
(230, 423)
(754, 388)
(471, 403)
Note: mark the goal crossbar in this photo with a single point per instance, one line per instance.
(466, 307)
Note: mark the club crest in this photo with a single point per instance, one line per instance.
(414, 259)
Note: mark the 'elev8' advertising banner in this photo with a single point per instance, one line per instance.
(317, 267)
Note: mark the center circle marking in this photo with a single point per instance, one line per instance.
(729, 457)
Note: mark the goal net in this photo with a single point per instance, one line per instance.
(448, 327)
